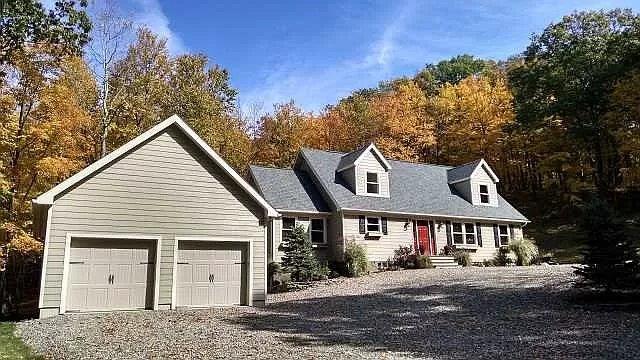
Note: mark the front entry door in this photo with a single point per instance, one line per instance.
(424, 240)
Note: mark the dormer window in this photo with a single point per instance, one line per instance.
(373, 186)
(484, 194)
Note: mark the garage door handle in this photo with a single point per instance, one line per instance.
(110, 279)
(76, 262)
(147, 263)
(240, 263)
(211, 277)
(183, 263)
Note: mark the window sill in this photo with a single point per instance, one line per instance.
(466, 246)
(319, 245)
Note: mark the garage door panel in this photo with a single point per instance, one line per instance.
(222, 260)
(112, 274)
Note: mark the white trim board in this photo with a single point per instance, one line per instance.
(249, 277)
(67, 252)
(365, 211)
(376, 151)
(49, 196)
(45, 257)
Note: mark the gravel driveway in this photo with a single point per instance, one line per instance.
(440, 314)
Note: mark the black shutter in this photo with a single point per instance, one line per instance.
(449, 238)
(511, 232)
(384, 225)
(479, 233)
(432, 232)
(362, 225)
(495, 235)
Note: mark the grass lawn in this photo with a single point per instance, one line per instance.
(11, 347)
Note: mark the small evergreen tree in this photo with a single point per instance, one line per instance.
(611, 261)
(298, 258)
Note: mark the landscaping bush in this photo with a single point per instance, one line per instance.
(277, 280)
(356, 261)
(502, 257)
(322, 272)
(525, 251)
(448, 250)
(462, 257)
(423, 262)
(402, 256)
(298, 259)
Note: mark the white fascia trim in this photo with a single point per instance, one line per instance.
(67, 254)
(284, 212)
(434, 215)
(48, 197)
(45, 257)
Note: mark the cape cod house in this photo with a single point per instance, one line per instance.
(382, 204)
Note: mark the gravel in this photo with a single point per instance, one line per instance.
(517, 312)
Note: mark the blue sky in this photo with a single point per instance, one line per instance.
(316, 52)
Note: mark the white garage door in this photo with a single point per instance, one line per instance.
(110, 274)
(210, 274)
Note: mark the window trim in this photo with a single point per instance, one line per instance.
(487, 194)
(464, 234)
(506, 235)
(324, 231)
(379, 224)
(376, 183)
(296, 222)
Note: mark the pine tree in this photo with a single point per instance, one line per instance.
(611, 261)
(298, 259)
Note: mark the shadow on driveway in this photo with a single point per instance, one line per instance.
(460, 320)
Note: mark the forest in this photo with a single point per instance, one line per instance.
(559, 122)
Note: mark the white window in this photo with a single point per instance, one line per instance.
(288, 224)
(503, 234)
(484, 194)
(373, 186)
(373, 224)
(317, 231)
(464, 234)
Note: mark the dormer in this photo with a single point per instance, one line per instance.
(476, 182)
(366, 171)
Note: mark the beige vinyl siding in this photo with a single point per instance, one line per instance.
(304, 221)
(382, 248)
(166, 187)
(481, 177)
(368, 162)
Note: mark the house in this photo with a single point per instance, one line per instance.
(383, 204)
(161, 222)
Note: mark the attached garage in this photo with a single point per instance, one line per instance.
(161, 222)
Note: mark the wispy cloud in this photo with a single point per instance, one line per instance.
(312, 88)
(149, 13)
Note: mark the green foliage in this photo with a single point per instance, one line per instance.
(462, 257)
(568, 73)
(611, 261)
(502, 257)
(402, 255)
(64, 30)
(298, 259)
(423, 262)
(451, 71)
(525, 250)
(356, 260)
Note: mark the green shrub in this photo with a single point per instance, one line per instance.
(462, 257)
(356, 260)
(423, 262)
(402, 256)
(502, 257)
(525, 251)
(298, 259)
(322, 272)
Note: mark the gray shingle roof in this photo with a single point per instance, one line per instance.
(462, 171)
(348, 158)
(287, 189)
(414, 188)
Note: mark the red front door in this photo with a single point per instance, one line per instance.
(424, 240)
